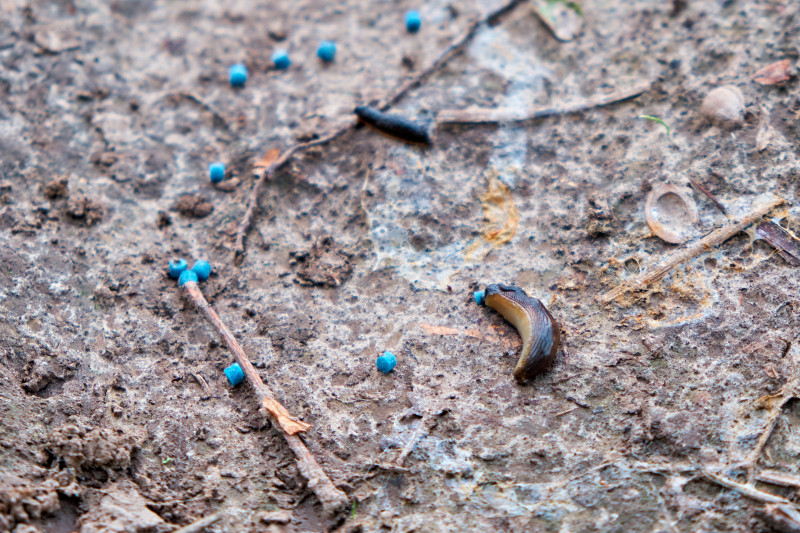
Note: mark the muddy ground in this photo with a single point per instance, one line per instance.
(115, 414)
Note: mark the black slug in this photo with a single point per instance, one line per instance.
(394, 125)
(539, 331)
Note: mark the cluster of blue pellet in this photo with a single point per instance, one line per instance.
(178, 269)
(237, 74)
(326, 52)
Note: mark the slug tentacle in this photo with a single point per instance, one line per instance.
(539, 331)
(394, 125)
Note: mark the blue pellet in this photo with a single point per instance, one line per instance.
(386, 362)
(237, 75)
(216, 172)
(202, 269)
(480, 297)
(280, 60)
(327, 51)
(186, 276)
(413, 21)
(234, 374)
(176, 267)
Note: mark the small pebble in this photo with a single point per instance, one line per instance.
(386, 362)
(413, 21)
(176, 267)
(186, 276)
(480, 297)
(234, 374)
(281, 60)
(216, 171)
(237, 75)
(202, 269)
(326, 51)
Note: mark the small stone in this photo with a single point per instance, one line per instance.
(275, 517)
(56, 188)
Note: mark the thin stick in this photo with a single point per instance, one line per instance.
(263, 175)
(774, 477)
(200, 525)
(427, 423)
(746, 490)
(711, 197)
(762, 440)
(714, 238)
(482, 115)
(333, 500)
(787, 393)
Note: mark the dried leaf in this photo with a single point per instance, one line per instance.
(787, 244)
(270, 157)
(773, 74)
(289, 425)
(501, 215)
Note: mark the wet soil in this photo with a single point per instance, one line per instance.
(115, 414)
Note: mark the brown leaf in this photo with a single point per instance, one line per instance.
(270, 157)
(773, 74)
(788, 245)
(289, 425)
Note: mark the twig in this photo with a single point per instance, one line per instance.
(202, 382)
(263, 175)
(711, 197)
(746, 490)
(762, 440)
(714, 238)
(218, 120)
(333, 500)
(267, 399)
(478, 115)
(787, 393)
(427, 423)
(200, 525)
(775, 477)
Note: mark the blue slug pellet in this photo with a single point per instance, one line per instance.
(386, 362)
(480, 297)
(327, 51)
(186, 276)
(234, 374)
(413, 21)
(280, 60)
(176, 267)
(216, 172)
(202, 269)
(237, 75)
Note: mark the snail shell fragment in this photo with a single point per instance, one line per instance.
(671, 212)
(724, 105)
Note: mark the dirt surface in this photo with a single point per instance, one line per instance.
(115, 414)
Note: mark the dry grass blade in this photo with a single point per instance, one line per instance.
(746, 490)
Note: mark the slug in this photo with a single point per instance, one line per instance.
(393, 125)
(539, 331)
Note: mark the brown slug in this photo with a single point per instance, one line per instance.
(540, 333)
(393, 125)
